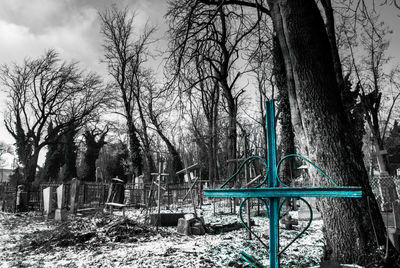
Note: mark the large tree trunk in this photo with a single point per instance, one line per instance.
(93, 148)
(150, 164)
(177, 163)
(30, 167)
(231, 138)
(348, 228)
(134, 148)
(70, 148)
(287, 134)
(212, 150)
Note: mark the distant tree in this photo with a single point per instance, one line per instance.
(47, 90)
(113, 160)
(54, 158)
(68, 169)
(216, 36)
(373, 82)
(94, 141)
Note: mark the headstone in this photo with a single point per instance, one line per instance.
(183, 227)
(48, 202)
(61, 213)
(128, 196)
(388, 192)
(116, 192)
(288, 221)
(398, 172)
(189, 216)
(394, 232)
(22, 199)
(197, 228)
(74, 191)
(396, 214)
(190, 225)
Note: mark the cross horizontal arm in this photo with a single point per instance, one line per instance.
(348, 191)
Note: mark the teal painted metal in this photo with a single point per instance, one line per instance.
(272, 182)
(273, 192)
(285, 192)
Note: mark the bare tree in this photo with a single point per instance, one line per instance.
(201, 34)
(47, 90)
(125, 55)
(94, 141)
(370, 34)
(157, 108)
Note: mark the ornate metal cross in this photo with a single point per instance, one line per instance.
(274, 189)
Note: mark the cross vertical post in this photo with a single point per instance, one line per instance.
(272, 182)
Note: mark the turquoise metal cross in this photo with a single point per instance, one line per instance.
(275, 189)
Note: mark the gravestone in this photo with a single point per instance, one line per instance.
(74, 191)
(61, 213)
(116, 193)
(22, 199)
(191, 225)
(388, 193)
(128, 196)
(48, 202)
(394, 232)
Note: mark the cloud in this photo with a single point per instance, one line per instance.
(77, 39)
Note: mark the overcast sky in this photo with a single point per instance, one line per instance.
(29, 27)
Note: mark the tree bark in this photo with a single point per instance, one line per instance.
(177, 163)
(348, 228)
(287, 134)
(134, 148)
(151, 166)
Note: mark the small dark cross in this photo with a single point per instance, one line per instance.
(273, 191)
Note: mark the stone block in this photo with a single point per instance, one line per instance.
(288, 221)
(74, 191)
(60, 196)
(60, 214)
(183, 227)
(394, 236)
(22, 199)
(197, 228)
(189, 216)
(48, 201)
(396, 214)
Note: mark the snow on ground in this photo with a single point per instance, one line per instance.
(164, 248)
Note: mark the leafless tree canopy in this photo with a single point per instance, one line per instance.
(47, 90)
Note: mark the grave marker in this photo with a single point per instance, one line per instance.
(273, 192)
(61, 213)
(22, 199)
(396, 213)
(394, 232)
(74, 192)
(388, 192)
(48, 202)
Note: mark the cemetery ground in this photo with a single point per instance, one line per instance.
(105, 240)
